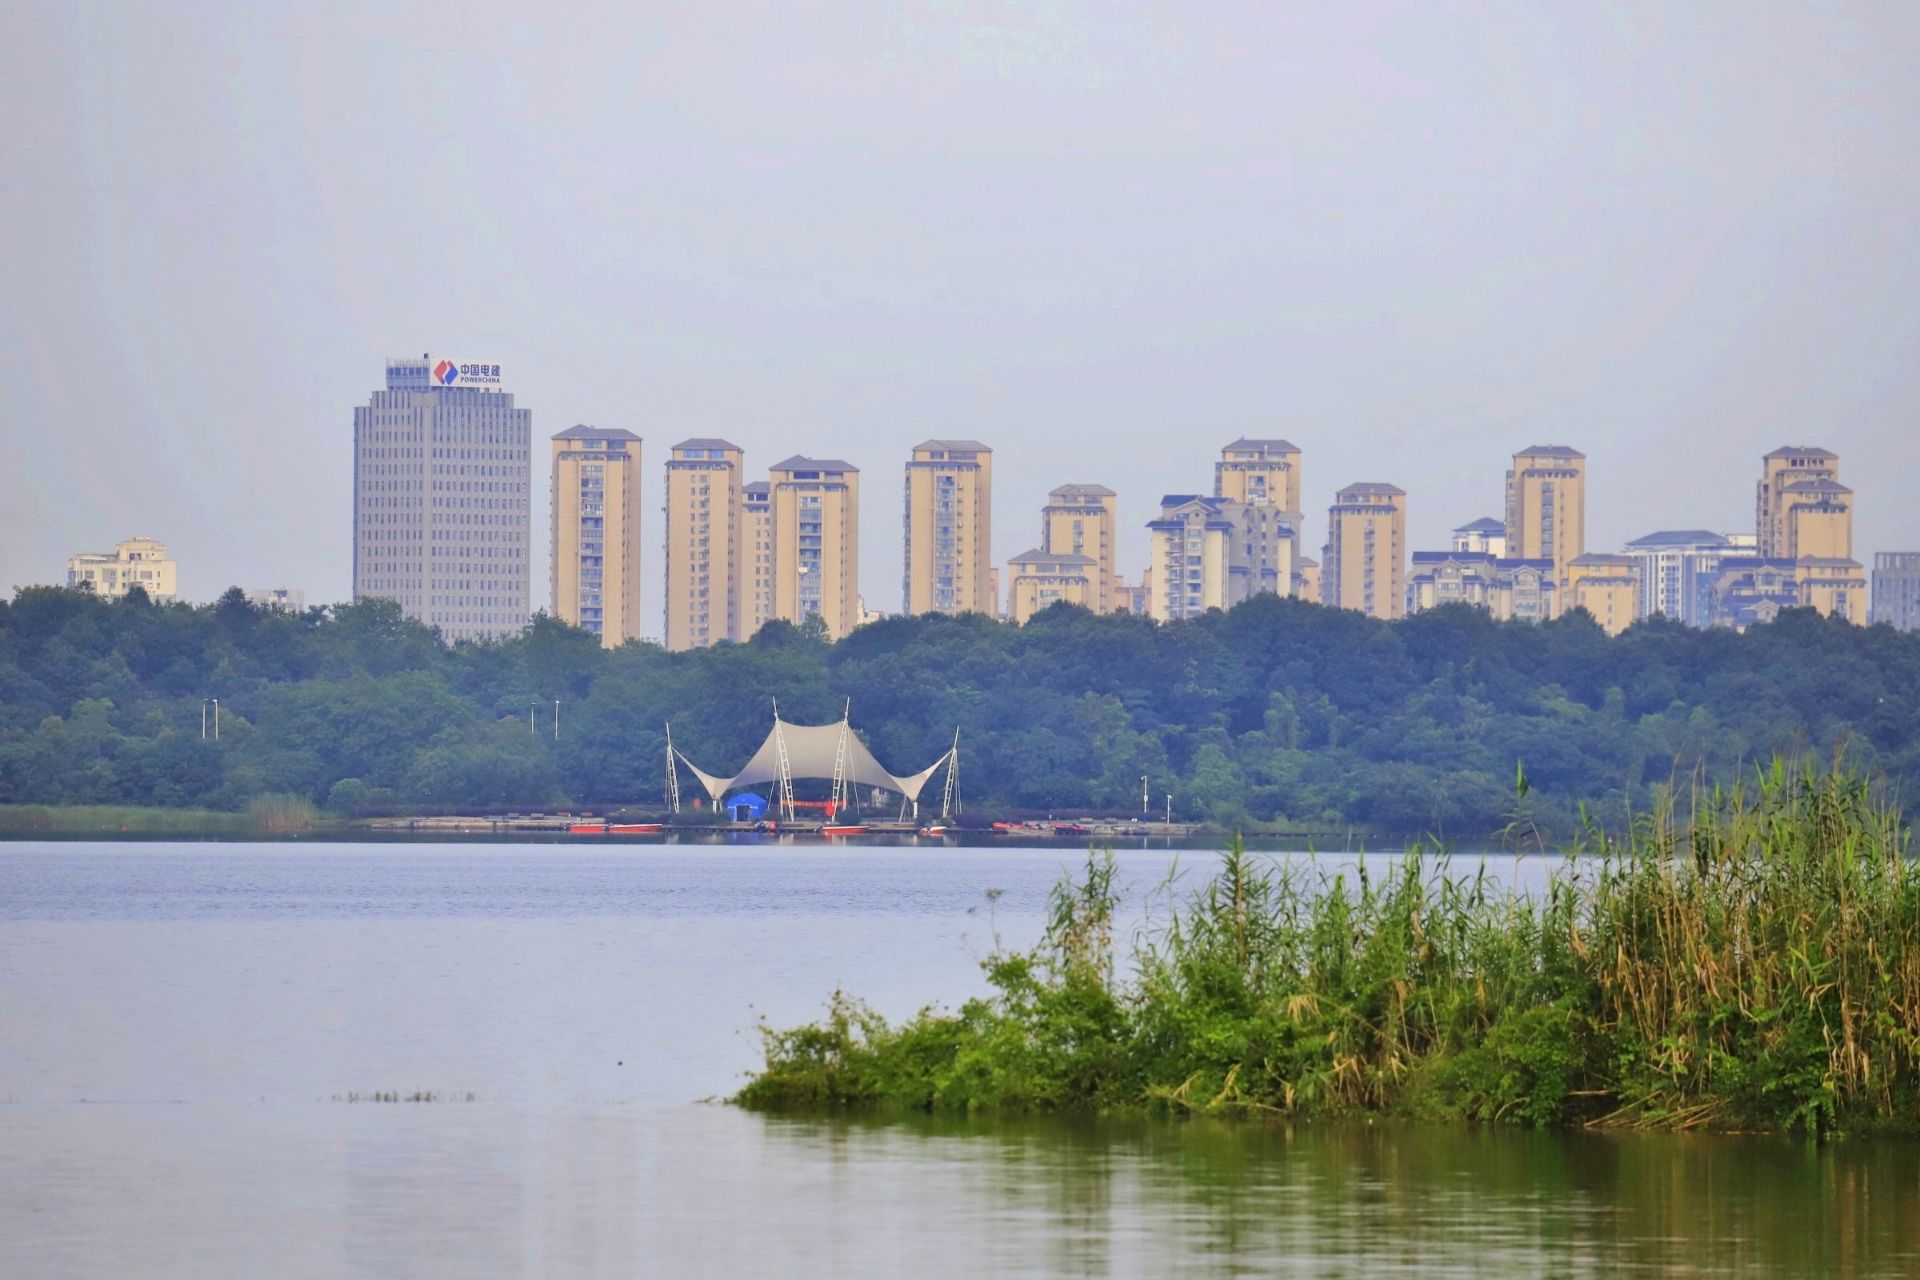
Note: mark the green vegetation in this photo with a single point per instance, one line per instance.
(1755, 967)
(268, 818)
(1277, 712)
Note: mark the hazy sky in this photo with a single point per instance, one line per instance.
(1105, 239)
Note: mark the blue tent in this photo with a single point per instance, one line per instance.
(746, 807)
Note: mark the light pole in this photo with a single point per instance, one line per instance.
(1169, 808)
(1143, 795)
(531, 731)
(556, 719)
(216, 719)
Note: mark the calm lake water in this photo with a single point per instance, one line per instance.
(181, 1023)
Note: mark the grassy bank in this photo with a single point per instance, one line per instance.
(1754, 967)
(266, 815)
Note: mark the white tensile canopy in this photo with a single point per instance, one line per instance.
(820, 751)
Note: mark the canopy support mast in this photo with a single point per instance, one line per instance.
(673, 775)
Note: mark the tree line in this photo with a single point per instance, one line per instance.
(1277, 711)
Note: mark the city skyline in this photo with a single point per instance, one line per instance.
(1074, 237)
(1799, 507)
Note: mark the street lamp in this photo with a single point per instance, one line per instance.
(203, 718)
(556, 719)
(1169, 808)
(1143, 795)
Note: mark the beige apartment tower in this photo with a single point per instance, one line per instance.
(1607, 587)
(1801, 508)
(949, 528)
(1081, 520)
(1547, 509)
(594, 552)
(705, 557)
(1364, 566)
(814, 520)
(756, 541)
(1259, 471)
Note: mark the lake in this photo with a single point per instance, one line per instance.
(183, 1025)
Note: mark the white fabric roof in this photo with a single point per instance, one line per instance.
(811, 752)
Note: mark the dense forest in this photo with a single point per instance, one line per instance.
(1277, 711)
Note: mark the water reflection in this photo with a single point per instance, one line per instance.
(1110, 1198)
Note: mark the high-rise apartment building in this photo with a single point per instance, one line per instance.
(756, 542)
(1364, 565)
(704, 536)
(1042, 578)
(1260, 471)
(1081, 520)
(137, 562)
(595, 545)
(1547, 508)
(1212, 553)
(1607, 587)
(815, 514)
(949, 528)
(1896, 589)
(441, 472)
(1800, 506)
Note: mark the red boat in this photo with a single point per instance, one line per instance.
(635, 828)
(588, 829)
(844, 829)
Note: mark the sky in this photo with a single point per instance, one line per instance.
(1105, 239)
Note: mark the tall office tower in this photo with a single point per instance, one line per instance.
(441, 470)
(1365, 566)
(1608, 588)
(1547, 508)
(137, 562)
(1257, 471)
(1801, 508)
(1675, 569)
(949, 528)
(595, 550)
(1079, 520)
(1213, 553)
(704, 555)
(816, 542)
(756, 544)
(1896, 589)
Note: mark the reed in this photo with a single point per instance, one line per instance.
(1740, 958)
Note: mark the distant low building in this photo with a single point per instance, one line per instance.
(1506, 588)
(1043, 578)
(1896, 589)
(285, 599)
(1745, 590)
(137, 562)
(1485, 535)
(1607, 587)
(1675, 568)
